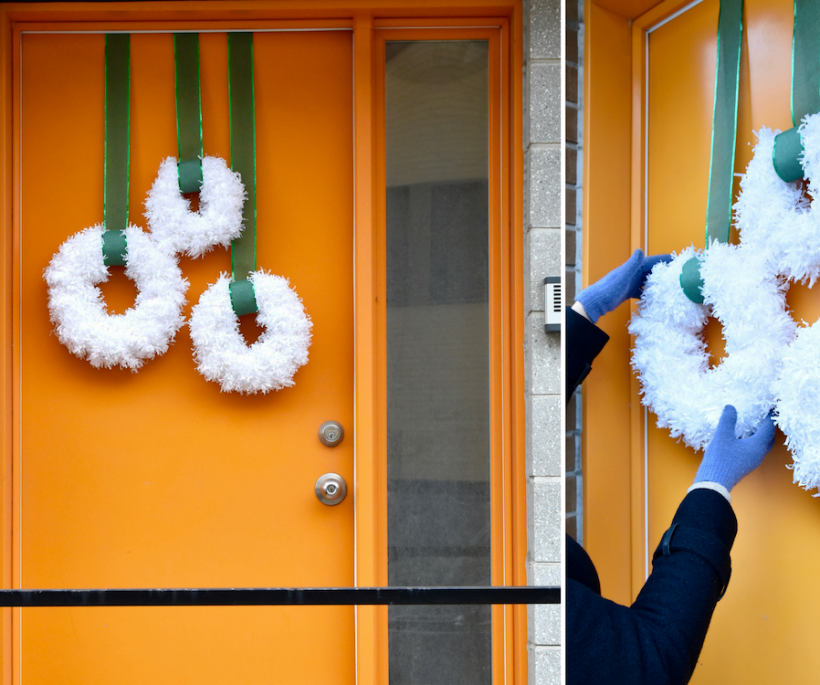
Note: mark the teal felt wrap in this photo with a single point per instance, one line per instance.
(788, 146)
(115, 248)
(243, 297)
(691, 281)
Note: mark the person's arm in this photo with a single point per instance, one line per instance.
(584, 339)
(584, 342)
(658, 639)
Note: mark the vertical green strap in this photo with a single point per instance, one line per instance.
(724, 139)
(805, 60)
(189, 111)
(724, 122)
(243, 147)
(117, 106)
(805, 95)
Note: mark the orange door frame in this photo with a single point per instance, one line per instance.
(498, 20)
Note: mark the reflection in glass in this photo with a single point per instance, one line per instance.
(438, 451)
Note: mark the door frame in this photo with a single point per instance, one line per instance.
(614, 216)
(365, 19)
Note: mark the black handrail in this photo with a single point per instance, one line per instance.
(333, 596)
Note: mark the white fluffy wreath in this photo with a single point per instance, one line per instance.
(78, 310)
(779, 242)
(268, 364)
(776, 219)
(670, 355)
(798, 405)
(176, 228)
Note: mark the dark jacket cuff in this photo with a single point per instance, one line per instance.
(584, 342)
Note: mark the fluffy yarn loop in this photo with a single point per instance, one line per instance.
(78, 310)
(798, 405)
(771, 362)
(678, 381)
(270, 363)
(176, 228)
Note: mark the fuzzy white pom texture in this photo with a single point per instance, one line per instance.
(678, 381)
(773, 217)
(78, 310)
(793, 243)
(176, 228)
(770, 361)
(270, 363)
(798, 405)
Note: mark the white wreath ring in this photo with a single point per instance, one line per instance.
(176, 228)
(776, 219)
(670, 355)
(78, 310)
(268, 364)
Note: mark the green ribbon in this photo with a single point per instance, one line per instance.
(243, 160)
(117, 109)
(189, 111)
(805, 96)
(724, 139)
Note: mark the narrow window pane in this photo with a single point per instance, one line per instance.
(438, 453)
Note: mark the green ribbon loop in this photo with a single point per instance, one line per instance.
(805, 96)
(117, 111)
(115, 248)
(691, 281)
(243, 148)
(189, 111)
(724, 140)
(243, 297)
(788, 146)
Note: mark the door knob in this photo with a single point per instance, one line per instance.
(331, 433)
(331, 489)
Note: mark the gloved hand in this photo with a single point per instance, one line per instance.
(619, 285)
(729, 459)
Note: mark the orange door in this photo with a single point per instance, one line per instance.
(767, 618)
(156, 478)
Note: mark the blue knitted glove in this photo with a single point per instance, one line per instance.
(619, 285)
(729, 459)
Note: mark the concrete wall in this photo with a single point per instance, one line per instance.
(542, 257)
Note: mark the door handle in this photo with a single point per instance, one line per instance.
(331, 489)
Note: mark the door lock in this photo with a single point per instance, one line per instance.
(331, 433)
(331, 489)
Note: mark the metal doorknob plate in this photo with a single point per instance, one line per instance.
(331, 489)
(331, 433)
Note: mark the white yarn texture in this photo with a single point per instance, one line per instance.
(678, 382)
(771, 362)
(146, 330)
(176, 228)
(794, 245)
(78, 310)
(268, 364)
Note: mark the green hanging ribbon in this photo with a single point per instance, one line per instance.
(724, 139)
(189, 111)
(243, 160)
(805, 95)
(117, 110)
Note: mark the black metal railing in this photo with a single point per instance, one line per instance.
(333, 596)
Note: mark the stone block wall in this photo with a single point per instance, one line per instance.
(543, 227)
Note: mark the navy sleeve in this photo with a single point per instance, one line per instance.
(584, 341)
(658, 639)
